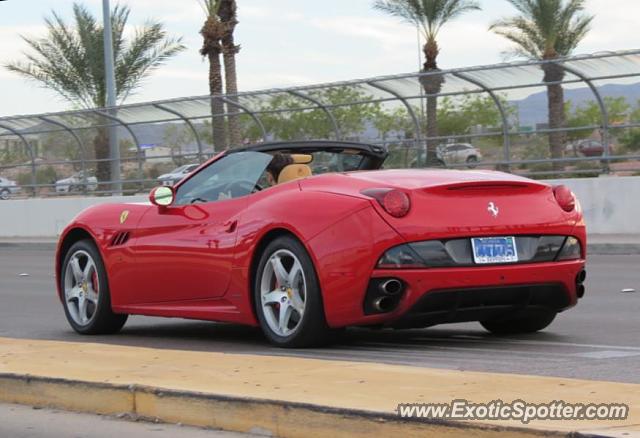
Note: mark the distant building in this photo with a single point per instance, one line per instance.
(153, 153)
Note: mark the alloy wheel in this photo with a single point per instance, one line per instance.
(283, 292)
(81, 287)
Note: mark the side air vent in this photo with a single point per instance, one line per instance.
(120, 238)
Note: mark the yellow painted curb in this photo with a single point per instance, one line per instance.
(269, 417)
(284, 395)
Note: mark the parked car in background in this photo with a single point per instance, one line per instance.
(8, 188)
(77, 183)
(460, 153)
(455, 153)
(585, 148)
(176, 175)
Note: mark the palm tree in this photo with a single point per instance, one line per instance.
(429, 16)
(212, 33)
(228, 14)
(70, 61)
(547, 30)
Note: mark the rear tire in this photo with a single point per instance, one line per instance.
(85, 292)
(472, 162)
(529, 322)
(287, 296)
(5, 194)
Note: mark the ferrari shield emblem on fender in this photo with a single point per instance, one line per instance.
(493, 209)
(123, 216)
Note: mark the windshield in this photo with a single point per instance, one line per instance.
(242, 173)
(231, 176)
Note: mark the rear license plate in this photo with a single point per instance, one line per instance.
(488, 250)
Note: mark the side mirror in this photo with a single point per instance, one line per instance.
(162, 196)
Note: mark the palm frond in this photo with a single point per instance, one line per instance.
(70, 59)
(407, 10)
(545, 28)
(429, 15)
(148, 49)
(210, 7)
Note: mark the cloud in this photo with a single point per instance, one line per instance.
(179, 73)
(385, 32)
(613, 26)
(11, 44)
(277, 80)
(293, 42)
(396, 43)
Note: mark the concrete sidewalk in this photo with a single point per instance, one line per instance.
(284, 396)
(599, 244)
(613, 244)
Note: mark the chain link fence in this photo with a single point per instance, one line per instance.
(488, 117)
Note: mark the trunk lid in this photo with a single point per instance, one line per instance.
(446, 203)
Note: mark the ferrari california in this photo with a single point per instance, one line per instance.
(273, 236)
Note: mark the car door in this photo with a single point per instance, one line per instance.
(185, 251)
(451, 154)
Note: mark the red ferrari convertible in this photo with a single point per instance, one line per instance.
(303, 238)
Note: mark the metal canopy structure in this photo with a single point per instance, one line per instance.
(405, 91)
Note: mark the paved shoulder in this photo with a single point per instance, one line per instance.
(26, 422)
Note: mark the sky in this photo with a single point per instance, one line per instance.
(291, 42)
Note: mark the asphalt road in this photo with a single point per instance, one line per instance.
(599, 339)
(26, 422)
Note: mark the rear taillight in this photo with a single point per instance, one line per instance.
(393, 201)
(565, 198)
(571, 250)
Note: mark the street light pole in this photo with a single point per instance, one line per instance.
(114, 148)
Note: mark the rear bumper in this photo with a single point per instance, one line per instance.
(481, 304)
(436, 296)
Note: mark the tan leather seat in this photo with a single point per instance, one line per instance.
(301, 158)
(293, 172)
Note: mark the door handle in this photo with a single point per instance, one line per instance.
(230, 226)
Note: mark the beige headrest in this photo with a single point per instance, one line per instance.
(301, 158)
(293, 172)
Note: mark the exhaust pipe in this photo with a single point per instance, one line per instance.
(391, 287)
(383, 304)
(582, 276)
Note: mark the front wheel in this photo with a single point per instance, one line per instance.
(472, 162)
(85, 289)
(529, 322)
(287, 296)
(4, 194)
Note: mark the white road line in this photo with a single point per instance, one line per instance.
(535, 343)
(439, 361)
(607, 354)
(525, 354)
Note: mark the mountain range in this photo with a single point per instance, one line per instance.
(533, 109)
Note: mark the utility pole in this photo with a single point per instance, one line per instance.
(421, 147)
(114, 148)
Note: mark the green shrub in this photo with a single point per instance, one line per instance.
(630, 140)
(44, 175)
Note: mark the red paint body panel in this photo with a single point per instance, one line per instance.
(195, 261)
(184, 253)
